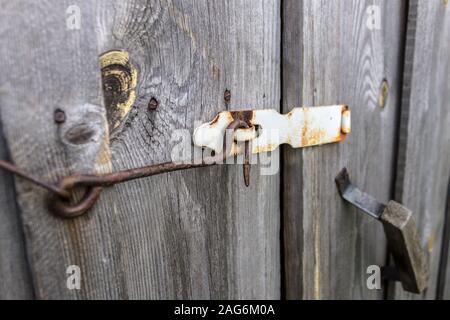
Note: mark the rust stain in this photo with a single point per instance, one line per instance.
(312, 132)
(310, 136)
(236, 149)
(289, 115)
(313, 137)
(340, 137)
(265, 148)
(304, 137)
(346, 126)
(229, 116)
(245, 115)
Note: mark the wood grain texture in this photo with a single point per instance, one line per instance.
(15, 279)
(196, 234)
(423, 167)
(199, 233)
(46, 65)
(330, 56)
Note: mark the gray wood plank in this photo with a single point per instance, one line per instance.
(46, 64)
(424, 143)
(330, 56)
(15, 279)
(199, 233)
(196, 234)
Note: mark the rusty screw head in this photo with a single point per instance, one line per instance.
(153, 104)
(59, 116)
(227, 96)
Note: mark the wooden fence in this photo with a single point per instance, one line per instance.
(201, 233)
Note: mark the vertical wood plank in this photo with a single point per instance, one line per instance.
(331, 56)
(196, 234)
(443, 286)
(48, 62)
(15, 280)
(199, 233)
(423, 167)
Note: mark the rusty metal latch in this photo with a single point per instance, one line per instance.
(411, 267)
(266, 129)
(302, 127)
(61, 198)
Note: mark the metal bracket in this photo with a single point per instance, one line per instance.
(268, 129)
(401, 232)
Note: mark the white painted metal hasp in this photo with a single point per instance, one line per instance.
(302, 127)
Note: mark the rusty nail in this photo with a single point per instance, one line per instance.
(153, 104)
(227, 95)
(59, 116)
(247, 164)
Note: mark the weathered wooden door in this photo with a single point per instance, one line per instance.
(193, 234)
(201, 233)
(386, 60)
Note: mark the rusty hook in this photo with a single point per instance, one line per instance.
(62, 207)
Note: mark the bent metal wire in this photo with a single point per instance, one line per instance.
(301, 127)
(61, 203)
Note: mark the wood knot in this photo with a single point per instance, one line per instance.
(80, 134)
(83, 127)
(119, 78)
